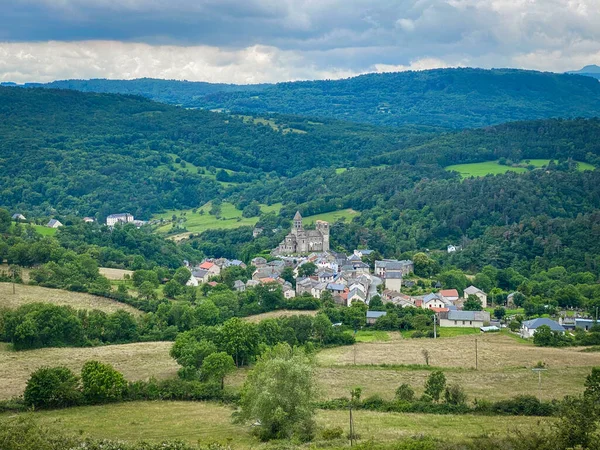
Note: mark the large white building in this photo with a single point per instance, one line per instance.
(113, 219)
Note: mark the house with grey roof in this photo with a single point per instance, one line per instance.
(54, 224)
(239, 286)
(472, 290)
(356, 295)
(529, 327)
(464, 319)
(18, 217)
(393, 280)
(382, 267)
(372, 316)
(113, 219)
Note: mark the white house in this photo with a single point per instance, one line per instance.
(434, 301)
(88, 219)
(451, 248)
(113, 219)
(472, 290)
(464, 319)
(393, 281)
(18, 217)
(529, 327)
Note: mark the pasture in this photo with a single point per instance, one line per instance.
(494, 168)
(333, 216)
(137, 361)
(276, 314)
(25, 294)
(205, 423)
(115, 274)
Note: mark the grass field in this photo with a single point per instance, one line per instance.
(24, 271)
(333, 216)
(137, 362)
(198, 222)
(504, 366)
(493, 168)
(115, 274)
(204, 423)
(232, 218)
(281, 313)
(25, 294)
(40, 229)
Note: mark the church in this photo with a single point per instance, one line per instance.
(305, 241)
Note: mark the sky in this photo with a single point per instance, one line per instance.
(257, 41)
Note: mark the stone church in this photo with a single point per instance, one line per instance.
(305, 241)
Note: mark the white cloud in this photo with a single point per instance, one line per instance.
(420, 64)
(26, 62)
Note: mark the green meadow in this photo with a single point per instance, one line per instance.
(494, 168)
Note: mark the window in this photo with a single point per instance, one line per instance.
(463, 322)
(470, 322)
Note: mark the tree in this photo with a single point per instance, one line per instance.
(307, 269)
(499, 312)
(435, 384)
(518, 299)
(172, 289)
(5, 220)
(472, 303)
(279, 394)
(182, 275)
(217, 366)
(405, 393)
(147, 291)
(454, 279)
(455, 395)
(376, 304)
(322, 327)
(239, 339)
(52, 387)
(592, 384)
(424, 265)
(101, 382)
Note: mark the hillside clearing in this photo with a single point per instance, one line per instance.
(494, 168)
(115, 274)
(333, 216)
(138, 361)
(276, 314)
(25, 294)
(204, 423)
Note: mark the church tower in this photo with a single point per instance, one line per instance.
(297, 223)
(323, 227)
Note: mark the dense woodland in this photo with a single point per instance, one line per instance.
(452, 98)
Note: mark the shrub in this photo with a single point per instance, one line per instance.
(405, 393)
(455, 395)
(330, 434)
(435, 384)
(52, 387)
(102, 383)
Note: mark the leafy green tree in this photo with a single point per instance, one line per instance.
(405, 393)
(5, 220)
(454, 279)
(182, 275)
(189, 352)
(172, 289)
(217, 366)
(52, 387)
(280, 393)
(592, 384)
(288, 275)
(376, 304)
(424, 266)
(307, 269)
(102, 383)
(239, 338)
(472, 303)
(499, 312)
(435, 384)
(518, 299)
(483, 282)
(147, 291)
(322, 327)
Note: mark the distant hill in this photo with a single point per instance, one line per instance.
(589, 71)
(166, 91)
(451, 98)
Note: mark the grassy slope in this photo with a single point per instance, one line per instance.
(493, 168)
(137, 362)
(232, 218)
(281, 313)
(204, 423)
(25, 294)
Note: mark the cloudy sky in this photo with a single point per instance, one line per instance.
(251, 41)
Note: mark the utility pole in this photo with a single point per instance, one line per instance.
(354, 349)
(351, 426)
(539, 371)
(476, 356)
(434, 327)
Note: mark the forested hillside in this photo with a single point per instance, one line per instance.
(97, 153)
(452, 98)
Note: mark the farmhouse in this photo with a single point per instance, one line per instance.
(113, 219)
(449, 294)
(54, 224)
(391, 265)
(372, 316)
(18, 217)
(88, 219)
(464, 319)
(472, 290)
(529, 327)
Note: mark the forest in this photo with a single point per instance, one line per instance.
(450, 98)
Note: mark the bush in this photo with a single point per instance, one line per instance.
(455, 395)
(330, 434)
(435, 384)
(52, 387)
(405, 393)
(102, 383)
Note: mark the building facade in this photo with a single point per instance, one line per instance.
(300, 241)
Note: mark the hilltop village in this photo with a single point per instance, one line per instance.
(322, 273)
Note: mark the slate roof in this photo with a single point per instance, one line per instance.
(393, 275)
(54, 222)
(462, 315)
(335, 286)
(534, 324)
(298, 216)
(471, 290)
(200, 273)
(375, 314)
